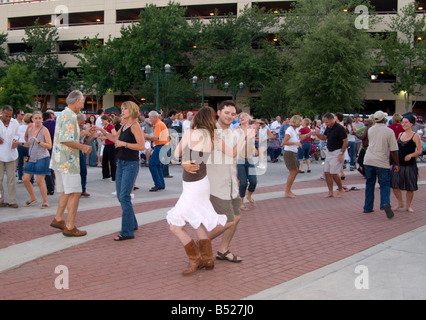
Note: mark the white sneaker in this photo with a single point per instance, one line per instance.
(261, 166)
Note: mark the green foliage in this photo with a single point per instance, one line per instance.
(42, 59)
(162, 36)
(272, 101)
(330, 58)
(17, 88)
(3, 55)
(175, 93)
(226, 47)
(95, 67)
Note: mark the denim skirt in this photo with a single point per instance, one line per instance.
(41, 167)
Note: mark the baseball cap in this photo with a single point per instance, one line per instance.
(380, 115)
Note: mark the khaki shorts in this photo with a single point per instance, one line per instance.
(230, 208)
(290, 160)
(68, 183)
(332, 163)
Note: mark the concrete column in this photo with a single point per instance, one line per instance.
(108, 101)
(242, 4)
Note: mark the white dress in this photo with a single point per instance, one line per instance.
(194, 206)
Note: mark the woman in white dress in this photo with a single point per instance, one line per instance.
(194, 206)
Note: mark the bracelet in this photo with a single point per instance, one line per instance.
(126, 145)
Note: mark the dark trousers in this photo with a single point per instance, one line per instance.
(50, 180)
(108, 162)
(83, 171)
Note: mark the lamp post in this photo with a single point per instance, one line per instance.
(210, 82)
(239, 88)
(148, 72)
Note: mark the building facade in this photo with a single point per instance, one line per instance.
(88, 18)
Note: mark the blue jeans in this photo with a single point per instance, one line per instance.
(246, 179)
(351, 151)
(125, 177)
(93, 158)
(22, 153)
(303, 153)
(274, 153)
(384, 177)
(156, 169)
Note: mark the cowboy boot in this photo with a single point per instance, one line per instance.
(206, 253)
(195, 261)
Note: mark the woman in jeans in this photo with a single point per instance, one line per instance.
(303, 153)
(246, 171)
(39, 143)
(351, 142)
(129, 140)
(93, 159)
(22, 150)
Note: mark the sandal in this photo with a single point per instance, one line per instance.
(44, 206)
(244, 208)
(29, 203)
(223, 256)
(121, 238)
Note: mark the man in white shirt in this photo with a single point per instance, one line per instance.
(381, 143)
(187, 123)
(9, 136)
(276, 125)
(98, 123)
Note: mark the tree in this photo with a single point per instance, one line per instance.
(237, 49)
(3, 54)
(95, 67)
(272, 100)
(405, 53)
(163, 36)
(41, 58)
(17, 88)
(330, 58)
(175, 93)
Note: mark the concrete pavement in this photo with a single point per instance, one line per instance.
(303, 248)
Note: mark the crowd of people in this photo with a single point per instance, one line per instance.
(222, 154)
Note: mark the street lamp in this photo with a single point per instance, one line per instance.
(148, 73)
(195, 84)
(239, 88)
